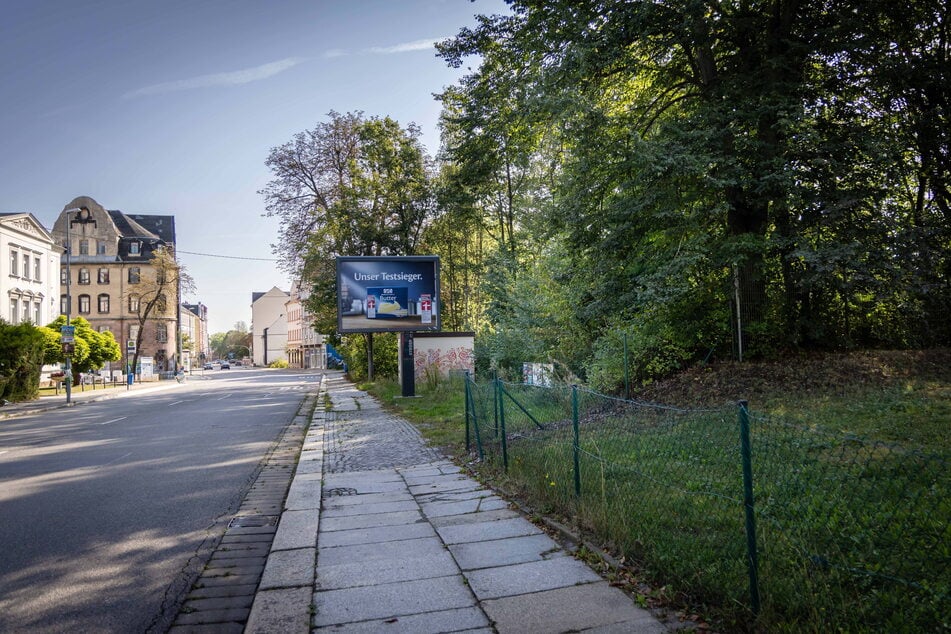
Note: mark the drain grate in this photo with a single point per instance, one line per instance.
(252, 521)
(339, 491)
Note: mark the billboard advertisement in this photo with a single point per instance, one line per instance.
(388, 294)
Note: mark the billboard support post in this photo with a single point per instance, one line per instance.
(369, 356)
(407, 366)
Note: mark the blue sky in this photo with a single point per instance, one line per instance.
(171, 107)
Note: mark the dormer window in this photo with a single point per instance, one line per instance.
(134, 248)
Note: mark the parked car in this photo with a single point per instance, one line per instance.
(225, 365)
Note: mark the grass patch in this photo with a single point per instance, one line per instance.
(851, 482)
(438, 412)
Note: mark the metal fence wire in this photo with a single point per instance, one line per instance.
(786, 525)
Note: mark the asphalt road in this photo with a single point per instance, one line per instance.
(108, 510)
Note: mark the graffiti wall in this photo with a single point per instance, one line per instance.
(443, 352)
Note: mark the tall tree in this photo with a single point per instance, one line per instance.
(349, 186)
(757, 143)
(154, 297)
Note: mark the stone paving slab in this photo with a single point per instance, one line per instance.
(389, 600)
(286, 611)
(337, 501)
(573, 609)
(374, 520)
(470, 620)
(506, 552)
(375, 535)
(297, 529)
(474, 517)
(482, 503)
(369, 509)
(533, 576)
(425, 547)
(482, 531)
(288, 568)
(390, 570)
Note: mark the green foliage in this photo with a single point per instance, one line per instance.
(235, 343)
(610, 162)
(91, 351)
(280, 363)
(352, 185)
(385, 355)
(22, 351)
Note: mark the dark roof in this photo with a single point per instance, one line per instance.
(162, 226)
(256, 296)
(128, 226)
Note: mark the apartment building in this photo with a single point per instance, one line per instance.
(106, 276)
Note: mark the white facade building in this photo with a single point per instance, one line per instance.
(269, 326)
(29, 270)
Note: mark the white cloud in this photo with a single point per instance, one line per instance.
(234, 78)
(406, 47)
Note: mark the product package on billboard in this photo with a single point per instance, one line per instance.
(389, 302)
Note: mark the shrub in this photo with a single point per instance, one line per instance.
(22, 348)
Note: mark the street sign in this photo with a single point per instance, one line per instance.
(68, 348)
(130, 345)
(67, 334)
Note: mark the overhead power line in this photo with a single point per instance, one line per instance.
(227, 257)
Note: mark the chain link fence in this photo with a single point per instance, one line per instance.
(779, 525)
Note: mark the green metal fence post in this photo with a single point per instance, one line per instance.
(495, 402)
(627, 382)
(577, 434)
(468, 405)
(501, 403)
(752, 559)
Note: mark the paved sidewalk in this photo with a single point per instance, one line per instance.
(80, 396)
(381, 534)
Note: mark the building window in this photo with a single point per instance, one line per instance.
(26, 311)
(161, 333)
(85, 305)
(100, 247)
(64, 305)
(103, 276)
(37, 313)
(133, 303)
(37, 269)
(134, 248)
(103, 303)
(104, 329)
(14, 263)
(14, 307)
(84, 247)
(63, 276)
(84, 276)
(134, 274)
(160, 304)
(26, 266)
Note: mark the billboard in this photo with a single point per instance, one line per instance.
(388, 294)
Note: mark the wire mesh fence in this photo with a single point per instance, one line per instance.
(828, 531)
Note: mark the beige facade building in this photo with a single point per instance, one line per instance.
(107, 273)
(29, 270)
(194, 320)
(305, 347)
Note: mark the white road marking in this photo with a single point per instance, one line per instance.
(114, 420)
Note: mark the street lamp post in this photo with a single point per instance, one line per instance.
(82, 216)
